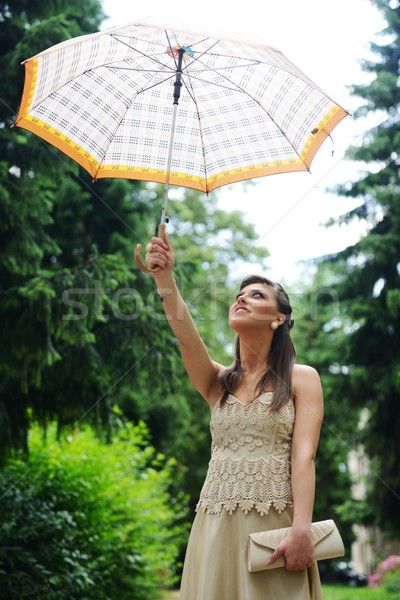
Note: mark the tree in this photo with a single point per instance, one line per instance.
(83, 330)
(49, 244)
(366, 363)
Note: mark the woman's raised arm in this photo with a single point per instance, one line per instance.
(202, 370)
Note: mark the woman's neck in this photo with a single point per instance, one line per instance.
(254, 354)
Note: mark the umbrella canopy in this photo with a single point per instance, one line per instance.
(106, 100)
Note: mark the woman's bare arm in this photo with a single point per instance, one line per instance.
(298, 547)
(202, 370)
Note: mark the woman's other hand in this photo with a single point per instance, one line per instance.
(297, 549)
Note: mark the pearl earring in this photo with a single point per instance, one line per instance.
(274, 325)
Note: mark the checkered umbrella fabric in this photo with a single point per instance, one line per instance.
(106, 100)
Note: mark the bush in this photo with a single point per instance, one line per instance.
(391, 583)
(387, 575)
(83, 519)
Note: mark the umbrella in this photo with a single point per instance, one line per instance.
(110, 100)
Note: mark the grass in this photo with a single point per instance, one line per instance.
(331, 592)
(171, 596)
(343, 592)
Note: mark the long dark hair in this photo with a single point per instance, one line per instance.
(282, 355)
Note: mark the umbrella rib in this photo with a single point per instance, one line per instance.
(254, 63)
(156, 60)
(224, 87)
(159, 62)
(298, 73)
(123, 116)
(208, 53)
(191, 93)
(202, 54)
(193, 96)
(155, 43)
(237, 87)
(127, 108)
(144, 89)
(135, 69)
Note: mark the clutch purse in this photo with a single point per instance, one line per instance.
(325, 536)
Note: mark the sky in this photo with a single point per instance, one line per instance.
(326, 40)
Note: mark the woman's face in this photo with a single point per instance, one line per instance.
(255, 305)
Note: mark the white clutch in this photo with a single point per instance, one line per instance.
(325, 535)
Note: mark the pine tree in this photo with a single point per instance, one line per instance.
(367, 358)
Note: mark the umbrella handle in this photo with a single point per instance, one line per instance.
(138, 259)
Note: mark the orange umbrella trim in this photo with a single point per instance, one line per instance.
(88, 162)
(321, 132)
(199, 183)
(60, 141)
(31, 69)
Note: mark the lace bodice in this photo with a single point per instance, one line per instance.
(250, 457)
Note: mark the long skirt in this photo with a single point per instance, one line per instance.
(216, 561)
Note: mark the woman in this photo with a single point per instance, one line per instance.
(266, 415)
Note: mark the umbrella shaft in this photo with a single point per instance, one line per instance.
(177, 94)
(177, 88)
(178, 80)
(170, 148)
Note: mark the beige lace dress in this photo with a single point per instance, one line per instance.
(247, 489)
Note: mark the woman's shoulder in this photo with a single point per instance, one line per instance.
(304, 375)
(307, 392)
(304, 371)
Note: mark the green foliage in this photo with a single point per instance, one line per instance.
(84, 519)
(387, 576)
(30, 26)
(391, 583)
